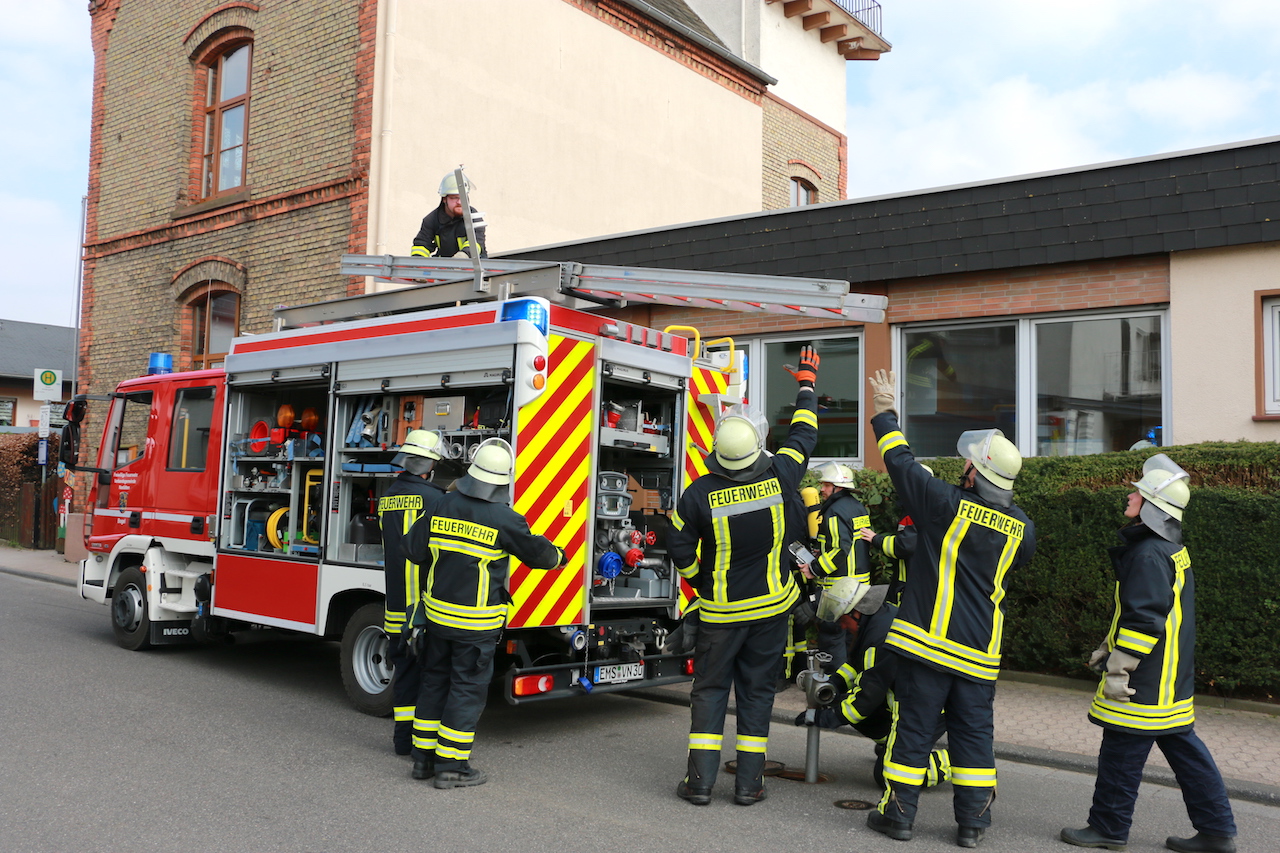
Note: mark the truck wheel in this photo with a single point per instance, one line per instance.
(366, 668)
(129, 617)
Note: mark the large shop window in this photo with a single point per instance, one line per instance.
(226, 116)
(840, 381)
(1057, 386)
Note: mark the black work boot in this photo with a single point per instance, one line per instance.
(695, 787)
(1090, 837)
(460, 776)
(895, 829)
(1201, 843)
(969, 836)
(424, 764)
(748, 786)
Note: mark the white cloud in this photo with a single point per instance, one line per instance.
(1187, 98)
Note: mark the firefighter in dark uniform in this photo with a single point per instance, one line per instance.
(948, 630)
(897, 546)
(728, 538)
(842, 553)
(410, 497)
(1147, 691)
(443, 232)
(864, 685)
(465, 549)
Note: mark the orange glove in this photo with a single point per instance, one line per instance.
(807, 373)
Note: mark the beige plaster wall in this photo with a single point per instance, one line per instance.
(1211, 319)
(811, 75)
(568, 127)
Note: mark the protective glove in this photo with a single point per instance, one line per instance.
(807, 373)
(823, 718)
(1097, 657)
(1116, 686)
(416, 640)
(684, 640)
(883, 390)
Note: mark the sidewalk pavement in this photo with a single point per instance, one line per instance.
(1038, 719)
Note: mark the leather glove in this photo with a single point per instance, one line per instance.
(807, 373)
(684, 640)
(883, 390)
(823, 718)
(1116, 686)
(1097, 657)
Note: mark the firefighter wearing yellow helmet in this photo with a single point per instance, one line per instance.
(410, 497)
(948, 629)
(465, 549)
(1147, 663)
(728, 538)
(841, 553)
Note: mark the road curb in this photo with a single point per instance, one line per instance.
(1237, 789)
(38, 576)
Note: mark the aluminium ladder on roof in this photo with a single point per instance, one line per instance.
(435, 282)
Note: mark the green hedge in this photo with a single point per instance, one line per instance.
(1059, 606)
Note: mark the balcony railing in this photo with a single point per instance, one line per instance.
(866, 11)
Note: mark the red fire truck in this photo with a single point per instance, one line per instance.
(245, 496)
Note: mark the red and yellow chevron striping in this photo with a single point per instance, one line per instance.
(553, 471)
(699, 431)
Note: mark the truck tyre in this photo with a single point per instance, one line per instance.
(130, 618)
(366, 667)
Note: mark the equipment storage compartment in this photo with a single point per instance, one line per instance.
(373, 426)
(635, 488)
(274, 488)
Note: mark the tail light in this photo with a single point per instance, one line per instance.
(532, 685)
(688, 666)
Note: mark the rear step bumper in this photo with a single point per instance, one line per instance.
(567, 679)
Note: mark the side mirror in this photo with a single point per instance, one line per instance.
(69, 446)
(74, 411)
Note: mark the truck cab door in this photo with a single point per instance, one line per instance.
(128, 455)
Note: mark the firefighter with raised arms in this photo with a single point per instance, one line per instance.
(410, 497)
(1147, 662)
(948, 629)
(728, 538)
(465, 549)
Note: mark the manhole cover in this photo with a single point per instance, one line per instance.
(771, 768)
(854, 805)
(798, 776)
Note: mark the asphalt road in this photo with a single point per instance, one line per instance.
(252, 747)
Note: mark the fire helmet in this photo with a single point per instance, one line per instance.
(1165, 485)
(739, 438)
(994, 456)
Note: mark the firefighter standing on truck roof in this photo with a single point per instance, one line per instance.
(443, 233)
(949, 626)
(897, 546)
(728, 538)
(841, 552)
(465, 549)
(410, 497)
(1147, 662)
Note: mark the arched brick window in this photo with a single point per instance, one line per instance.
(225, 128)
(208, 295)
(803, 192)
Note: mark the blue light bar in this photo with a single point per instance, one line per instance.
(537, 311)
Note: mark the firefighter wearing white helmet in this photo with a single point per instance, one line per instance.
(948, 629)
(728, 539)
(1147, 664)
(465, 549)
(443, 233)
(841, 553)
(410, 497)
(864, 684)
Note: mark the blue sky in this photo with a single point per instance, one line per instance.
(971, 91)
